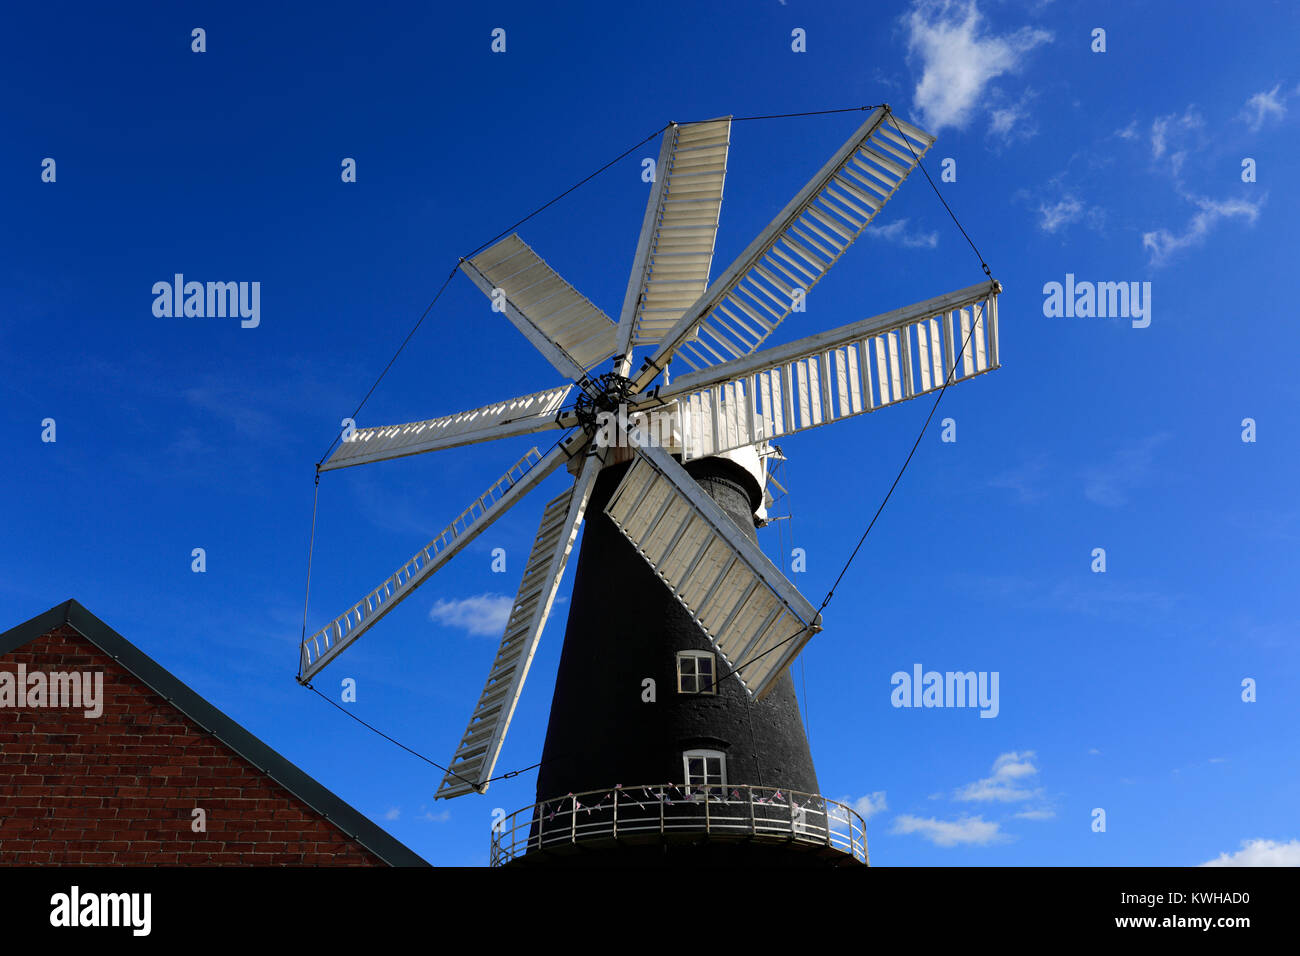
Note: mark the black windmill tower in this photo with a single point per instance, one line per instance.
(674, 733)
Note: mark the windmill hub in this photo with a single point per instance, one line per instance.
(609, 393)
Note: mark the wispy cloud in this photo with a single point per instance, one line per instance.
(1110, 483)
(1008, 782)
(483, 614)
(1260, 853)
(1077, 594)
(394, 813)
(1059, 214)
(1003, 121)
(1272, 524)
(1174, 129)
(1025, 480)
(1040, 814)
(248, 417)
(897, 231)
(970, 831)
(1013, 122)
(1174, 138)
(1263, 106)
(959, 58)
(1163, 244)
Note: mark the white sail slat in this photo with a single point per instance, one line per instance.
(742, 307)
(754, 617)
(561, 322)
(327, 643)
(675, 250)
(471, 765)
(515, 416)
(827, 388)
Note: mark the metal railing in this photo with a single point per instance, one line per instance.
(732, 811)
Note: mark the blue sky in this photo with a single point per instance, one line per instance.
(1119, 690)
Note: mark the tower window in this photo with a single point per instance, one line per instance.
(696, 672)
(706, 770)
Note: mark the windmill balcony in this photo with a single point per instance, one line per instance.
(678, 813)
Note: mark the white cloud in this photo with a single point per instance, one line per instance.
(1013, 122)
(1162, 244)
(1005, 120)
(975, 831)
(869, 805)
(440, 817)
(393, 813)
(897, 232)
(482, 614)
(1260, 853)
(1261, 106)
(1041, 814)
(1129, 131)
(959, 59)
(1060, 214)
(1173, 128)
(1006, 785)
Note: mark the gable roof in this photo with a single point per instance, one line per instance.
(175, 692)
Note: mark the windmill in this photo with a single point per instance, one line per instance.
(647, 443)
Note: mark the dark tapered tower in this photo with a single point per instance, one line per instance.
(625, 628)
(642, 704)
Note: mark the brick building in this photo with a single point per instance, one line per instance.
(108, 759)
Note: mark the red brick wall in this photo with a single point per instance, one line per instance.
(121, 789)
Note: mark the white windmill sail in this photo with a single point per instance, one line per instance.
(515, 416)
(471, 766)
(750, 299)
(560, 321)
(324, 645)
(754, 616)
(838, 374)
(675, 249)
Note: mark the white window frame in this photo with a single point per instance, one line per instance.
(704, 785)
(696, 655)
